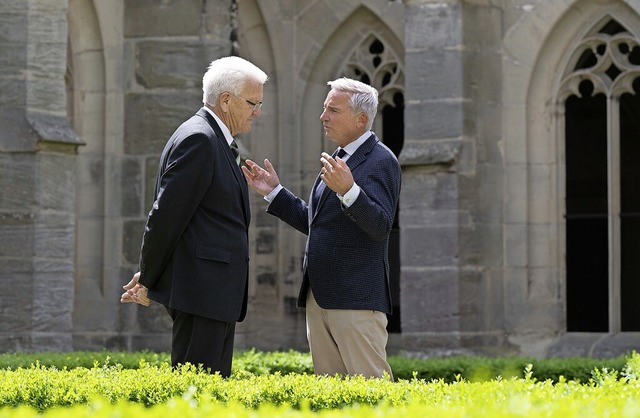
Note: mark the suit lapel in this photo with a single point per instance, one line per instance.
(235, 169)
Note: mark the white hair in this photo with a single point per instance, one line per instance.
(229, 74)
(362, 97)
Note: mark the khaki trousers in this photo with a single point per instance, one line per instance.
(347, 342)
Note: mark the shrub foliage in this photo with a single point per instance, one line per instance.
(281, 384)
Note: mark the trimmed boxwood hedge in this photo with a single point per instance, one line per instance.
(267, 362)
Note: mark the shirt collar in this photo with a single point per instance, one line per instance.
(353, 146)
(225, 131)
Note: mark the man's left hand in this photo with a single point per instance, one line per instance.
(336, 174)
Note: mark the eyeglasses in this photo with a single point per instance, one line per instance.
(253, 105)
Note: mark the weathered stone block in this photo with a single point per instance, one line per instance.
(482, 191)
(131, 185)
(430, 152)
(15, 342)
(430, 246)
(574, 344)
(437, 119)
(150, 119)
(175, 64)
(167, 18)
(13, 26)
(16, 229)
(425, 191)
(48, 25)
(97, 300)
(543, 247)
(474, 300)
(16, 299)
(436, 25)
(437, 74)
(16, 134)
(218, 14)
(17, 182)
(616, 344)
(53, 128)
(516, 302)
(516, 252)
(544, 286)
(131, 241)
(488, 344)
(50, 341)
(430, 299)
(46, 87)
(52, 299)
(481, 245)
(54, 236)
(56, 188)
(13, 93)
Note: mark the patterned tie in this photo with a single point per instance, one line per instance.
(320, 187)
(236, 152)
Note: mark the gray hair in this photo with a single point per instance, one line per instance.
(363, 97)
(229, 74)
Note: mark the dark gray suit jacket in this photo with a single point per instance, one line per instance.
(346, 262)
(195, 252)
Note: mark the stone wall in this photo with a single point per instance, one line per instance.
(37, 180)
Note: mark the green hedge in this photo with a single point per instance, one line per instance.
(114, 391)
(285, 362)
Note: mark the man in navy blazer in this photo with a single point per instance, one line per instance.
(348, 220)
(195, 254)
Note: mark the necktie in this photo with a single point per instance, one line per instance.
(320, 187)
(236, 152)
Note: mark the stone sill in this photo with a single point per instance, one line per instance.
(442, 152)
(54, 132)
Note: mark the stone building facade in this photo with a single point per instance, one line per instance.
(514, 122)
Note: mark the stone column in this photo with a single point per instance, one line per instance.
(430, 191)
(37, 182)
(451, 207)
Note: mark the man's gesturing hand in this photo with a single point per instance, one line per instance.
(336, 174)
(261, 180)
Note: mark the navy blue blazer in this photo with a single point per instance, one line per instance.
(195, 248)
(346, 262)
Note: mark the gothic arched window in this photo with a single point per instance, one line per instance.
(599, 91)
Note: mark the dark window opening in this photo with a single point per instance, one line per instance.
(587, 231)
(586, 60)
(393, 137)
(630, 209)
(612, 28)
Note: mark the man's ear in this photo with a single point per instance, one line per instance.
(362, 119)
(223, 101)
